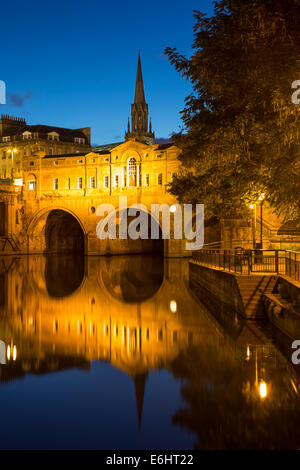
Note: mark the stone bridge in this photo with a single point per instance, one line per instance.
(55, 210)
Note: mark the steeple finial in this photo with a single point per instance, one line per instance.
(139, 96)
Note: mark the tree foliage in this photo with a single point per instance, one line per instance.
(241, 129)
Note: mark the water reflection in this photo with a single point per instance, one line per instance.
(138, 315)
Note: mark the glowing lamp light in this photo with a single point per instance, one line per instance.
(8, 353)
(263, 389)
(251, 206)
(248, 354)
(173, 209)
(173, 306)
(14, 353)
(262, 197)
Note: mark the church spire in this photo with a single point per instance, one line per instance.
(139, 112)
(139, 96)
(139, 385)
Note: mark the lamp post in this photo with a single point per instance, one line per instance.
(253, 208)
(261, 198)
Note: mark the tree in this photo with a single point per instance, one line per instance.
(241, 129)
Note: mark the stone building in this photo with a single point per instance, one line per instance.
(62, 188)
(18, 141)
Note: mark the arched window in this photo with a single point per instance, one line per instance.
(131, 171)
(31, 182)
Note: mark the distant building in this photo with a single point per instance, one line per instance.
(18, 141)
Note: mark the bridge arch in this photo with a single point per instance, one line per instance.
(55, 230)
(130, 246)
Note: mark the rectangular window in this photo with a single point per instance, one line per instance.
(31, 185)
(6, 139)
(79, 183)
(147, 180)
(58, 152)
(159, 179)
(105, 181)
(116, 181)
(55, 184)
(50, 151)
(68, 183)
(92, 181)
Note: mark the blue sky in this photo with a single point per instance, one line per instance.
(75, 62)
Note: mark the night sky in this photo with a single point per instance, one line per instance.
(73, 63)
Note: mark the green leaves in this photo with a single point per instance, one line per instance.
(241, 129)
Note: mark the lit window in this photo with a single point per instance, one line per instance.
(53, 136)
(92, 182)
(105, 181)
(55, 184)
(116, 181)
(6, 139)
(159, 179)
(79, 183)
(131, 171)
(31, 185)
(27, 135)
(147, 180)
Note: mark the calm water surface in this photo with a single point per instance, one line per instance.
(119, 353)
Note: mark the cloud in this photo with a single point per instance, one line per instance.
(17, 100)
(163, 140)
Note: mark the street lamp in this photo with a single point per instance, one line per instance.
(261, 198)
(13, 151)
(253, 208)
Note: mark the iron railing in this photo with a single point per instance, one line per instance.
(252, 261)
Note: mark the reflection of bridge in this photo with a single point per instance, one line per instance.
(103, 314)
(135, 312)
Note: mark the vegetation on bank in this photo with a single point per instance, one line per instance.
(240, 135)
